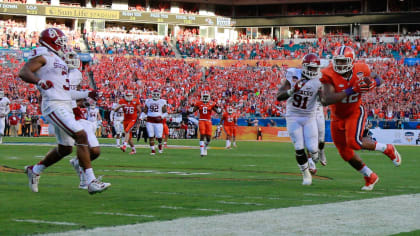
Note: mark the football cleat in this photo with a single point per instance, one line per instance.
(123, 148)
(161, 151)
(393, 154)
(153, 152)
(370, 182)
(83, 185)
(96, 186)
(33, 178)
(322, 157)
(307, 177)
(133, 152)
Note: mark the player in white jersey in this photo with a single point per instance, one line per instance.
(46, 62)
(4, 111)
(75, 78)
(117, 118)
(154, 109)
(301, 95)
(94, 116)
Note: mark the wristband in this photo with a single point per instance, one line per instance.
(349, 91)
(378, 81)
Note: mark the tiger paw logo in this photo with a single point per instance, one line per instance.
(409, 136)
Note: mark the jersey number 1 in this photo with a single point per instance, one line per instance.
(300, 101)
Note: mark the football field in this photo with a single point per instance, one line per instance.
(229, 192)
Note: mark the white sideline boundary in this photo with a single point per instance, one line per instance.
(376, 216)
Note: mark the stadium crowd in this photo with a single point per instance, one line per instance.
(250, 89)
(196, 47)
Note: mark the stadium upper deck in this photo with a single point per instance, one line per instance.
(224, 20)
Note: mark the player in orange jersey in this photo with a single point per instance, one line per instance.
(229, 120)
(343, 83)
(165, 130)
(131, 109)
(205, 108)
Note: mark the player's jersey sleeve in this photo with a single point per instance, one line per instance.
(39, 51)
(75, 77)
(326, 77)
(122, 102)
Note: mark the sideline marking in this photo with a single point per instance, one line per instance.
(121, 214)
(375, 216)
(46, 222)
(241, 203)
(196, 209)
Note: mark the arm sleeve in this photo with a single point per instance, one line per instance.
(111, 115)
(76, 95)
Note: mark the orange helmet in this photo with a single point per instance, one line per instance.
(343, 59)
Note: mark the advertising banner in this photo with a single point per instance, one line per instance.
(397, 136)
(44, 130)
(268, 133)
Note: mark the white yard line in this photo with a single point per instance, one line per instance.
(376, 216)
(121, 214)
(45, 222)
(241, 203)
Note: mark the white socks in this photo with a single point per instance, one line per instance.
(90, 176)
(202, 146)
(380, 147)
(37, 169)
(366, 171)
(303, 167)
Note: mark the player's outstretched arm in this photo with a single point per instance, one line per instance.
(192, 110)
(329, 96)
(118, 107)
(27, 73)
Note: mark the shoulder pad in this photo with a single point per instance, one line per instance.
(39, 51)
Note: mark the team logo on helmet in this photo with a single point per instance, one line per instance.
(310, 66)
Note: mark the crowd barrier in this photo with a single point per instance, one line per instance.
(397, 136)
(280, 134)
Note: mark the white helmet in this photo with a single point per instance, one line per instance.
(205, 96)
(72, 59)
(156, 95)
(1, 93)
(230, 110)
(128, 96)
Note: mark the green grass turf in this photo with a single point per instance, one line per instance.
(178, 183)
